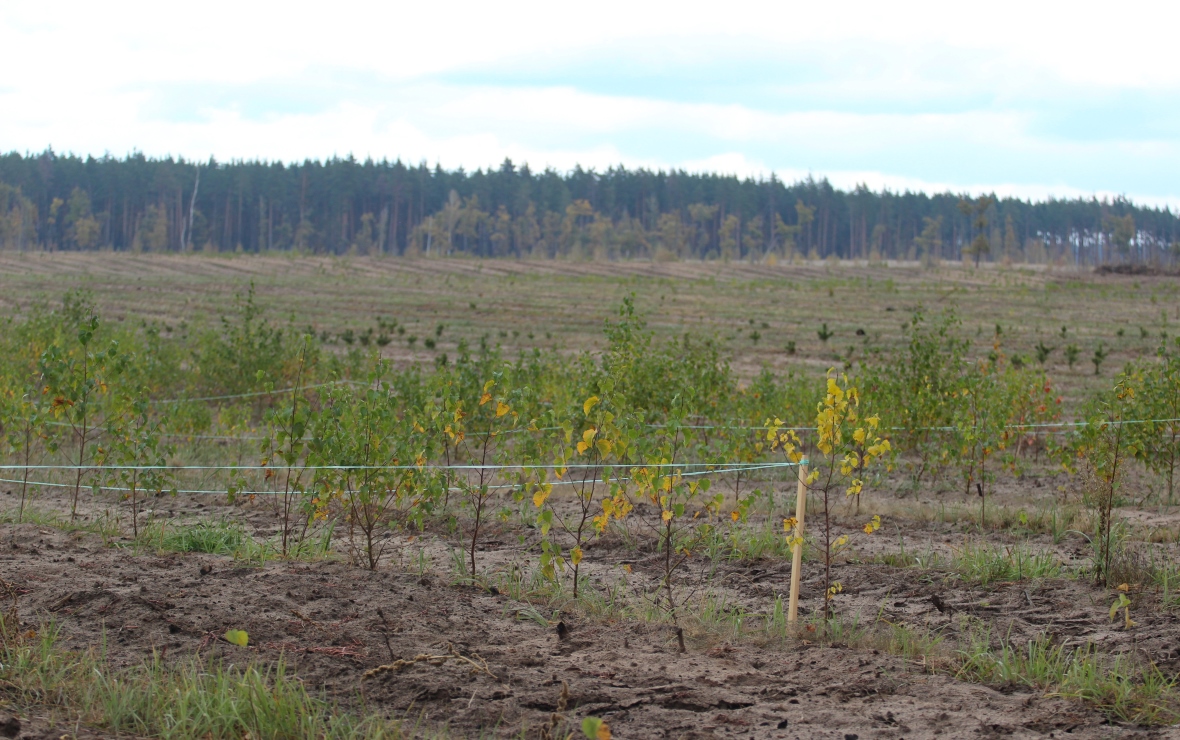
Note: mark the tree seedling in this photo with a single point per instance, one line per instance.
(1043, 352)
(1122, 602)
(1100, 355)
(1071, 354)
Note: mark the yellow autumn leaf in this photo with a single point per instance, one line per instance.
(237, 637)
(588, 435)
(502, 408)
(666, 516)
(590, 403)
(576, 555)
(485, 398)
(582, 447)
(859, 436)
(734, 515)
(595, 729)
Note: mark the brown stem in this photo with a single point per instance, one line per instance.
(24, 484)
(134, 505)
(668, 567)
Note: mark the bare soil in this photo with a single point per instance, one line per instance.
(322, 618)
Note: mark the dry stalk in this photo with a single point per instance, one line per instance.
(308, 620)
(478, 664)
(555, 719)
(10, 620)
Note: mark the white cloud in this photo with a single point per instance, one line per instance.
(936, 95)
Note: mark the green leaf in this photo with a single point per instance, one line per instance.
(1119, 604)
(237, 637)
(595, 729)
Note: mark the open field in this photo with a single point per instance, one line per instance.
(527, 304)
(956, 617)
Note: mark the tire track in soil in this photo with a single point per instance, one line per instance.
(322, 618)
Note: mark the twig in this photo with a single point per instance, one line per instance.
(308, 620)
(385, 633)
(478, 664)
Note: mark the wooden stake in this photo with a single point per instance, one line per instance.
(797, 554)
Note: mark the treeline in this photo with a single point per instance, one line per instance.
(55, 202)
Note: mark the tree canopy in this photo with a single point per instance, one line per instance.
(345, 205)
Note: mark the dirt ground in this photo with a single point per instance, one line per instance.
(325, 619)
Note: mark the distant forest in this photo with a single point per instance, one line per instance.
(55, 202)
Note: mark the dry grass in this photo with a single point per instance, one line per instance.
(561, 305)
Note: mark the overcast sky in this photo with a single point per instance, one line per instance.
(1026, 98)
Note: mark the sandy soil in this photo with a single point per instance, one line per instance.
(323, 617)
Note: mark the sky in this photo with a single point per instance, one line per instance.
(1030, 99)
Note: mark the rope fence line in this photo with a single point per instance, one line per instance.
(48, 484)
(1038, 425)
(255, 394)
(1055, 425)
(516, 466)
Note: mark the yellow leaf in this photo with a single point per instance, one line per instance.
(734, 515)
(488, 385)
(589, 404)
(576, 555)
(666, 516)
(582, 447)
(237, 637)
(604, 447)
(485, 398)
(859, 436)
(1124, 587)
(588, 435)
(539, 498)
(502, 408)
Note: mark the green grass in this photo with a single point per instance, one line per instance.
(741, 541)
(104, 526)
(186, 700)
(1139, 694)
(221, 537)
(984, 563)
(224, 537)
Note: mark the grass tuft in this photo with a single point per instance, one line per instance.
(186, 700)
(984, 563)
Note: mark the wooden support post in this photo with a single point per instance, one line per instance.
(797, 554)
